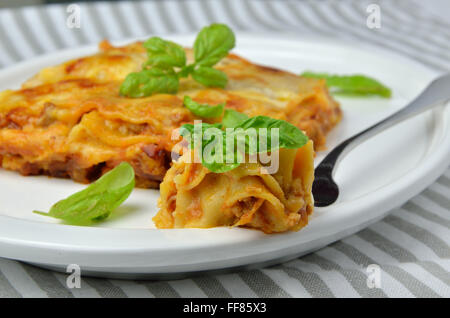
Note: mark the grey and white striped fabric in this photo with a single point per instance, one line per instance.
(411, 245)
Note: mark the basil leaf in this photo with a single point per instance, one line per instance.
(220, 167)
(290, 136)
(164, 53)
(98, 200)
(186, 70)
(195, 135)
(210, 77)
(188, 131)
(212, 44)
(233, 118)
(166, 63)
(189, 128)
(148, 82)
(352, 85)
(205, 111)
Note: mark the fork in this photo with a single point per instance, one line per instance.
(325, 190)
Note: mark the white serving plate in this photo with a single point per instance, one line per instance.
(376, 177)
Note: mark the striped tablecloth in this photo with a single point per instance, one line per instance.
(411, 245)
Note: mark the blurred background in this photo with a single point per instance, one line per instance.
(439, 7)
(418, 29)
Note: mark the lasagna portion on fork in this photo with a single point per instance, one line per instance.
(70, 121)
(194, 197)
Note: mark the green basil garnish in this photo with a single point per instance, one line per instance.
(204, 111)
(352, 85)
(233, 118)
(211, 137)
(211, 45)
(164, 54)
(98, 200)
(148, 82)
(209, 77)
(290, 136)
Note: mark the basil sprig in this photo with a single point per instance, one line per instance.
(164, 54)
(232, 118)
(211, 45)
(352, 85)
(203, 110)
(148, 82)
(206, 136)
(98, 200)
(290, 136)
(199, 140)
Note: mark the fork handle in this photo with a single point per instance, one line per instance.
(436, 93)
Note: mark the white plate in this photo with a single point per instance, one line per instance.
(376, 177)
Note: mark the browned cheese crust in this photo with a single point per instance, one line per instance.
(70, 120)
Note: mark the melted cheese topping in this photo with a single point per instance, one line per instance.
(70, 121)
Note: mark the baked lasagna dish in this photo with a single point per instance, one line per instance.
(70, 121)
(194, 197)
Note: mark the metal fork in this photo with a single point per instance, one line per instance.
(324, 189)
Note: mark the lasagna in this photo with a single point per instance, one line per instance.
(70, 121)
(193, 196)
